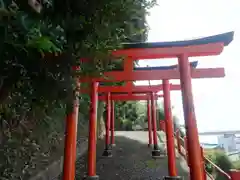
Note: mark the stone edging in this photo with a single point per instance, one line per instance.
(55, 169)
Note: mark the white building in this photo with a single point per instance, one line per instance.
(228, 142)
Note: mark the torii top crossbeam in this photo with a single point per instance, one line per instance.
(211, 45)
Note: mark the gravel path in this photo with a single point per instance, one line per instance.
(131, 160)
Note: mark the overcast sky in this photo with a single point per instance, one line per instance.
(216, 100)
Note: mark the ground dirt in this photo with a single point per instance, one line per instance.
(131, 160)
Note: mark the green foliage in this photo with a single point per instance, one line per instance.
(26, 145)
(40, 43)
(160, 112)
(126, 113)
(126, 124)
(236, 165)
(211, 155)
(137, 113)
(39, 48)
(219, 158)
(224, 163)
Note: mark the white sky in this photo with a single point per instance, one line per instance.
(186, 19)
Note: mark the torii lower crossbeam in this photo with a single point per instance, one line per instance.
(122, 97)
(156, 75)
(132, 89)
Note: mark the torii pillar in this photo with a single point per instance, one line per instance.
(112, 125)
(107, 152)
(150, 141)
(190, 119)
(92, 133)
(71, 138)
(156, 151)
(172, 170)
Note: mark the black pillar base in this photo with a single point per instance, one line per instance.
(156, 153)
(92, 178)
(172, 178)
(107, 153)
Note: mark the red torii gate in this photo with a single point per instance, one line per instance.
(133, 90)
(130, 88)
(216, 72)
(110, 98)
(213, 45)
(169, 123)
(127, 97)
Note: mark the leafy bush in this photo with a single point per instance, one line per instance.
(236, 165)
(224, 163)
(211, 155)
(219, 158)
(126, 125)
(40, 44)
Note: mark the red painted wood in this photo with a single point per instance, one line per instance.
(170, 52)
(156, 75)
(172, 171)
(123, 97)
(154, 123)
(108, 120)
(70, 142)
(204, 174)
(128, 64)
(193, 145)
(133, 89)
(92, 132)
(234, 174)
(112, 122)
(150, 138)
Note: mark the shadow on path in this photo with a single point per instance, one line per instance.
(131, 161)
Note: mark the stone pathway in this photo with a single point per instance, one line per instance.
(131, 160)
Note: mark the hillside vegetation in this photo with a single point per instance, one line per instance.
(40, 43)
(220, 158)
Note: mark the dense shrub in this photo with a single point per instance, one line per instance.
(219, 158)
(236, 165)
(40, 43)
(224, 163)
